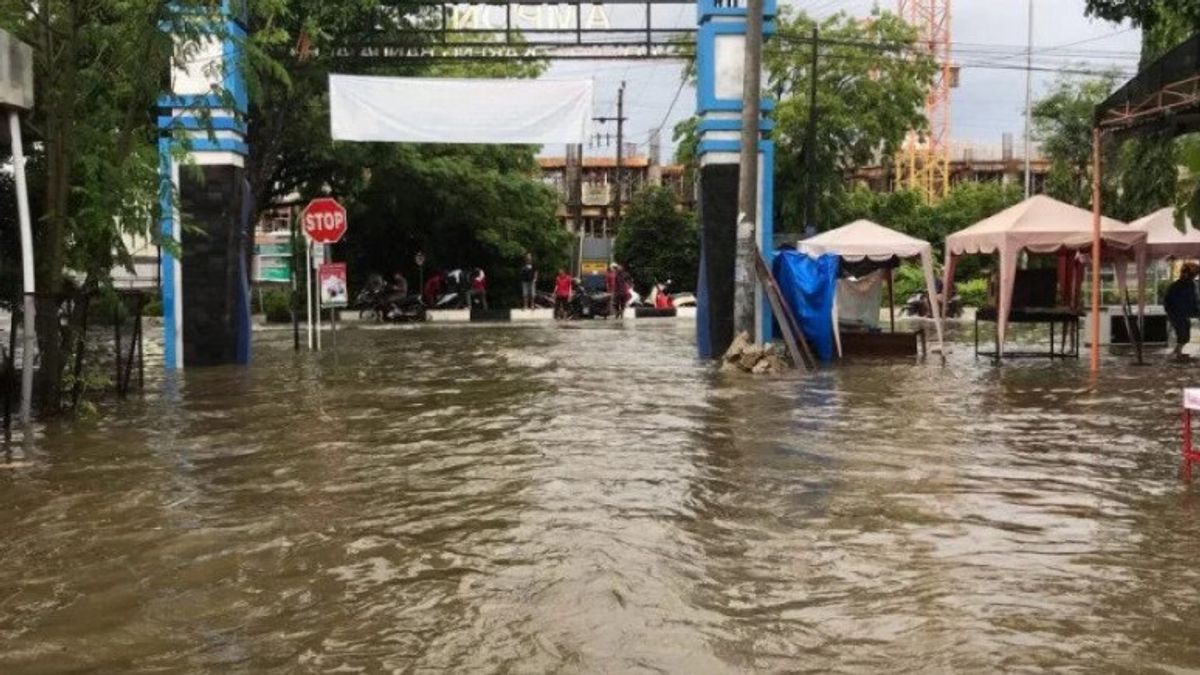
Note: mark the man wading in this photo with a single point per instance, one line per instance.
(1180, 305)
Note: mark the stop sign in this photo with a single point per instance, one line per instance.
(324, 220)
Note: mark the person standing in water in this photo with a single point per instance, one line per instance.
(1180, 305)
(562, 294)
(528, 282)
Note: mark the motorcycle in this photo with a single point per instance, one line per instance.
(543, 300)
(917, 305)
(378, 301)
(588, 305)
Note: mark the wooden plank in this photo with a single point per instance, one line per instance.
(793, 337)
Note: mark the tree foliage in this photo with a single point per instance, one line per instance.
(92, 140)
(1150, 15)
(656, 242)
(1062, 124)
(870, 92)
(462, 208)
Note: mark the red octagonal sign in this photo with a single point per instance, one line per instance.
(324, 220)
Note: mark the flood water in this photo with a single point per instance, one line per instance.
(537, 499)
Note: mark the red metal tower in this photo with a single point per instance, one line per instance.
(924, 163)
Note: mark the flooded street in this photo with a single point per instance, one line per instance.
(539, 499)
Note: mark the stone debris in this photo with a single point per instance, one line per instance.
(746, 357)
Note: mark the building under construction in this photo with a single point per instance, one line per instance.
(587, 196)
(965, 163)
(924, 163)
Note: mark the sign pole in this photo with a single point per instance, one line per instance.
(293, 298)
(308, 293)
(318, 303)
(27, 276)
(333, 330)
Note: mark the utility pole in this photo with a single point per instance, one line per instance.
(620, 170)
(1029, 103)
(575, 190)
(810, 150)
(743, 274)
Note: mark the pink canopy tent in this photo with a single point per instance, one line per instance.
(1164, 239)
(1039, 224)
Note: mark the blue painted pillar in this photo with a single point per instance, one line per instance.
(720, 46)
(202, 154)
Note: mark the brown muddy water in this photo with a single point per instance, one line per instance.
(537, 499)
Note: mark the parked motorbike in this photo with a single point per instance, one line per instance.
(543, 300)
(588, 305)
(377, 301)
(918, 305)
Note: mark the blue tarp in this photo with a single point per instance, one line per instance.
(808, 285)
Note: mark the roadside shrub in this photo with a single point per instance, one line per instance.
(277, 307)
(973, 293)
(906, 280)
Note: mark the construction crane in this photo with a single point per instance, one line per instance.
(923, 164)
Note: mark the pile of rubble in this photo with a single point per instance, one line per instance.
(746, 357)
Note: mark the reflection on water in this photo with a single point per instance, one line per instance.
(539, 498)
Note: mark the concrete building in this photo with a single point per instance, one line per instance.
(970, 163)
(587, 205)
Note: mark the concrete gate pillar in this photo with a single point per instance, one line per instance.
(202, 153)
(720, 44)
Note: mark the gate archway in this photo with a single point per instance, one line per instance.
(205, 287)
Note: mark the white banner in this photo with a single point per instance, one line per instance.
(425, 110)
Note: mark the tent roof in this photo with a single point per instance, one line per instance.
(864, 239)
(1042, 225)
(1163, 238)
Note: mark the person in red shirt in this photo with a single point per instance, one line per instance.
(662, 299)
(479, 288)
(433, 286)
(562, 294)
(611, 281)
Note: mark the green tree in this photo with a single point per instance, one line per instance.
(868, 98)
(1151, 15)
(657, 242)
(292, 50)
(98, 68)
(1062, 124)
(1149, 180)
(462, 207)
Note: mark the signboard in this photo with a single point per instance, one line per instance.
(596, 194)
(527, 52)
(324, 221)
(273, 271)
(16, 72)
(335, 292)
(594, 266)
(1191, 399)
(528, 30)
(273, 259)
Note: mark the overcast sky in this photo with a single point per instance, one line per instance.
(989, 101)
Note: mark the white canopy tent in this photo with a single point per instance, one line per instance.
(1040, 224)
(1164, 239)
(865, 240)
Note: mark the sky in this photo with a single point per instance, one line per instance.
(988, 37)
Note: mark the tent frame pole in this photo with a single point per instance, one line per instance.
(892, 299)
(1096, 251)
